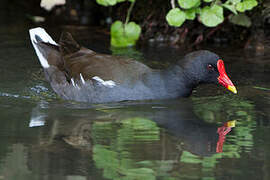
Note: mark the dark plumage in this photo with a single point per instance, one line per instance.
(80, 74)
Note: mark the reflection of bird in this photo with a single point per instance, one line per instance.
(70, 139)
(197, 136)
(80, 74)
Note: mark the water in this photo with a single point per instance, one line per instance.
(44, 137)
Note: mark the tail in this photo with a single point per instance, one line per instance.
(50, 55)
(39, 35)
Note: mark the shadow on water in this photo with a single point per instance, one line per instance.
(44, 137)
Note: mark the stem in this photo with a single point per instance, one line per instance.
(129, 11)
(173, 4)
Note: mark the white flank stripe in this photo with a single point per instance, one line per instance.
(109, 83)
(72, 81)
(82, 79)
(77, 86)
(46, 38)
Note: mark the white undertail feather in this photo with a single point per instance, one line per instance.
(45, 38)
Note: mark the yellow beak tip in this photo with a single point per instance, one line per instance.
(231, 123)
(232, 89)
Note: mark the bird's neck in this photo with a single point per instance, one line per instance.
(178, 81)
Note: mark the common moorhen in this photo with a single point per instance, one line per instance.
(80, 74)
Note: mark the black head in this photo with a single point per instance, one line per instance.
(205, 67)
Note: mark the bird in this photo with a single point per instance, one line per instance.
(80, 74)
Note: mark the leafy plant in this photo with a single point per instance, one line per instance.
(212, 15)
(210, 12)
(123, 34)
(176, 17)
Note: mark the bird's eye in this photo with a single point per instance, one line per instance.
(210, 67)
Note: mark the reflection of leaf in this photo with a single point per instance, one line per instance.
(261, 88)
(140, 124)
(209, 162)
(243, 135)
(241, 113)
(115, 166)
(114, 159)
(213, 109)
(139, 129)
(139, 173)
(160, 167)
(146, 163)
(187, 157)
(107, 160)
(129, 52)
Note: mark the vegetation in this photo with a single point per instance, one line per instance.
(123, 34)
(174, 20)
(208, 12)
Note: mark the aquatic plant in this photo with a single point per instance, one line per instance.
(210, 12)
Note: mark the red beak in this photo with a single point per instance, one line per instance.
(223, 79)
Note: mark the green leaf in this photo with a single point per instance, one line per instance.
(176, 17)
(198, 10)
(131, 0)
(132, 31)
(246, 5)
(187, 4)
(241, 20)
(119, 1)
(107, 2)
(124, 35)
(230, 7)
(212, 16)
(233, 1)
(207, 1)
(117, 29)
(190, 14)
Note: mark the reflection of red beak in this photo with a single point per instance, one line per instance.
(222, 132)
(223, 79)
